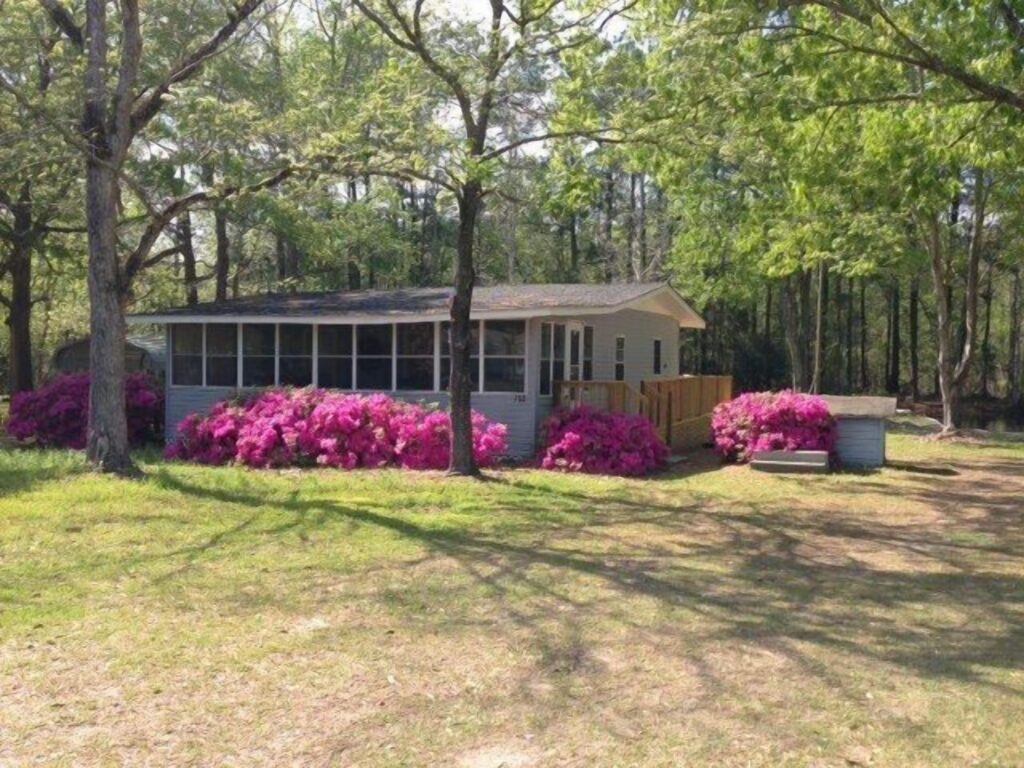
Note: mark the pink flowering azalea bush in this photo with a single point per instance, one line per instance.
(56, 415)
(315, 427)
(587, 440)
(772, 421)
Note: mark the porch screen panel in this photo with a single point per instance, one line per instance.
(334, 356)
(504, 356)
(259, 348)
(545, 358)
(474, 356)
(415, 356)
(222, 355)
(295, 368)
(187, 355)
(558, 352)
(373, 357)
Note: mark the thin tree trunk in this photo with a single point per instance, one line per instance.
(222, 265)
(574, 249)
(864, 383)
(463, 462)
(1016, 368)
(19, 309)
(849, 385)
(819, 329)
(892, 384)
(986, 338)
(606, 224)
(791, 326)
(915, 359)
(183, 239)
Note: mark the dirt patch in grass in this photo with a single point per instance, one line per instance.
(711, 616)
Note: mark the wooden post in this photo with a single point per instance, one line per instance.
(668, 421)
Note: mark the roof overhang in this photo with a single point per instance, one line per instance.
(663, 300)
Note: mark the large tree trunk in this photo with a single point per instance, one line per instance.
(107, 430)
(19, 316)
(107, 436)
(463, 462)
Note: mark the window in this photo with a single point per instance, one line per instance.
(259, 344)
(474, 355)
(221, 355)
(545, 358)
(373, 356)
(334, 356)
(657, 357)
(415, 356)
(295, 368)
(504, 355)
(588, 353)
(620, 358)
(187, 354)
(558, 352)
(574, 354)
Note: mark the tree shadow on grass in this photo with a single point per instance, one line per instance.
(797, 580)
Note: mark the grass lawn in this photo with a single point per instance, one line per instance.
(708, 617)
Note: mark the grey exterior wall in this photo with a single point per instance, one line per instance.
(640, 330)
(861, 442)
(521, 412)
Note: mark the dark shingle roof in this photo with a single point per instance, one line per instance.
(417, 301)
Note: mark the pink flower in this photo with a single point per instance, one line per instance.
(56, 415)
(586, 440)
(310, 427)
(772, 421)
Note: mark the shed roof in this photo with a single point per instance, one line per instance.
(433, 303)
(863, 407)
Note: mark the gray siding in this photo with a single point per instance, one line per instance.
(511, 409)
(861, 442)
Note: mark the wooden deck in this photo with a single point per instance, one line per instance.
(680, 408)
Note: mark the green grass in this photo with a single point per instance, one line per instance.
(712, 616)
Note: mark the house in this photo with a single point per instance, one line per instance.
(141, 353)
(528, 338)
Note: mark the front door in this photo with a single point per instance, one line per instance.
(574, 348)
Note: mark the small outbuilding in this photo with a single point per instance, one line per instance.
(141, 353)
(861, 427)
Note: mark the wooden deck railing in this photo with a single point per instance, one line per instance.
(611, 396)
(679, 408)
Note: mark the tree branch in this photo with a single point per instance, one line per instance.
(64, 21)
(150, 104)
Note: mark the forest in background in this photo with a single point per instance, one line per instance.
(835, 186)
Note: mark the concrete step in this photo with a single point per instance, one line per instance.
(803, 462)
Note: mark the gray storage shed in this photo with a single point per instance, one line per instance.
(861, 426)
